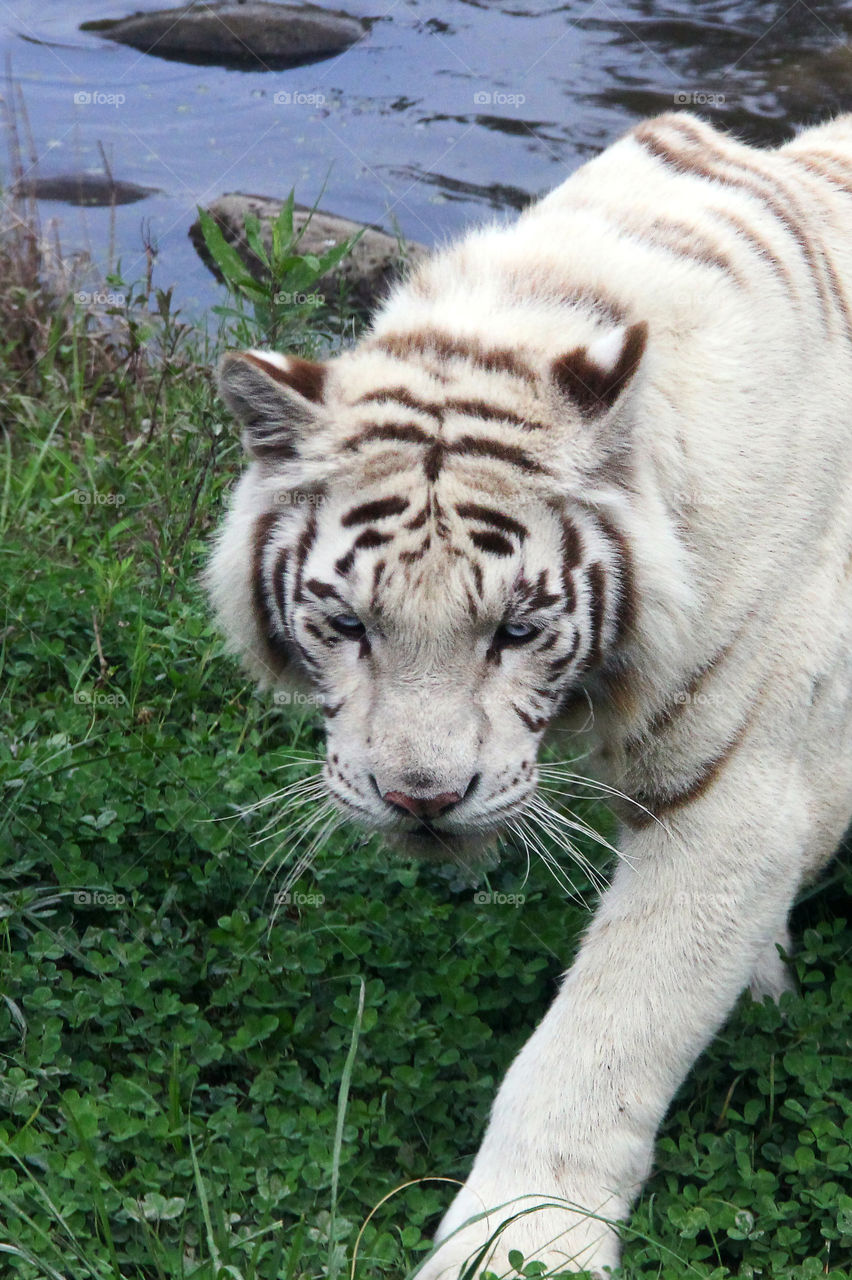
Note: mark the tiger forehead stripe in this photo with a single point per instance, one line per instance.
(417, 521)
(322, 590)
(486, 412)
(536, 595)
(572, 554)
(470, 407)
(365, 541)
(433, 460)
(572, 547)
(488, 515)
(483, 447)
(438, 447)
(492, 542)
(378, 570)
(400, 433)
(377, 510)
(401, 395)
(442, 345)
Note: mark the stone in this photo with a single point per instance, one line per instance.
(376, 260)
(82, 188)
(253, 36)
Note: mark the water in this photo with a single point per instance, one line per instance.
(448, 111)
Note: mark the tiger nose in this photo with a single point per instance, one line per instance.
(422, 806)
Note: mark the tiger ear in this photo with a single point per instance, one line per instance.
(276, 398)
(594, 377)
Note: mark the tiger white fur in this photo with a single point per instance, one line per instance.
(600, 457)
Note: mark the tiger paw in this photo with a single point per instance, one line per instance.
(534, 1229)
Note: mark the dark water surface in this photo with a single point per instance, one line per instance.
(447, 111)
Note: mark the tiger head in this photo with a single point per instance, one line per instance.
(421, 540)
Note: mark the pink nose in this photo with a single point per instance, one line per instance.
(422, 806)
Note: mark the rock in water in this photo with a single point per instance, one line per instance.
(366, 272)
(82, 188)
(254, 36)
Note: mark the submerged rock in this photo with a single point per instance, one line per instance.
(376, 260)
(253, 36)
(82, 188)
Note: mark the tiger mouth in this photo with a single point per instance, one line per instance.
(428, 832)
(467, 848)
(426, 838)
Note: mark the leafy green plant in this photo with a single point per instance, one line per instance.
(284, 310)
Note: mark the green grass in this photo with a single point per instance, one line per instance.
(194, 1084)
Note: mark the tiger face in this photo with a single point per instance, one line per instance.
(412, 554)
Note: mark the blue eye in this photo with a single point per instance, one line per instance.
(349, 625)
(515, 633)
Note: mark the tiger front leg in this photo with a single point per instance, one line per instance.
(693, 908)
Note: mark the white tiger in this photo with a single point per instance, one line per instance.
(600, 457)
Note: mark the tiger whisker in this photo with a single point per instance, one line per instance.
(299, 786)
(587, 725)
(548, 861)
(297, 759)
(302, 829)
(243, 811)
(559, 774)
(572, 822)
(515, 827)
(596, 785)
(293, 803)
(568, 847)
(576, 823)
(278, 824)
(332, 823)
(553, 822)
